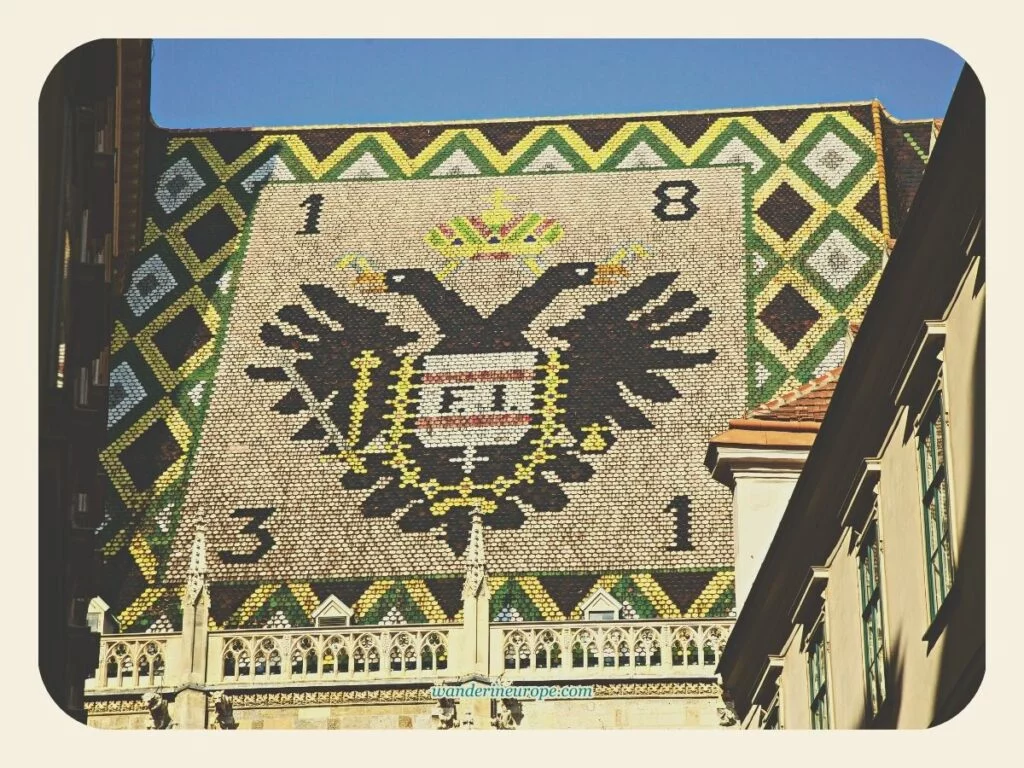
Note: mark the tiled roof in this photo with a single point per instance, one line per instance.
(172, 340)
(807, 402)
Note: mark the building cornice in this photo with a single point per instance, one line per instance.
(922, 362)
(766, 686)
(783, 461)
(808, 605)
(861, 498)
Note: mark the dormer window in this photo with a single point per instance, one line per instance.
(99, 619)
(332, 613)
(601, 606)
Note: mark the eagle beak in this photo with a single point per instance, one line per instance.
(371, 282)
(609, 274)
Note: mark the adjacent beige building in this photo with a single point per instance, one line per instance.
(868, 609)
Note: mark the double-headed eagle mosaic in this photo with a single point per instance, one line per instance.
(484, 421)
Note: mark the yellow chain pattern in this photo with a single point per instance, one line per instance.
(466, 493)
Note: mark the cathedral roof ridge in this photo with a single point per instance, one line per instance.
(470, 122)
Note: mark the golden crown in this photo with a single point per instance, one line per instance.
(495, 234)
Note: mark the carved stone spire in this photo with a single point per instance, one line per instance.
(190, 704)
(197, 564)
(473, 648)
(476, 560)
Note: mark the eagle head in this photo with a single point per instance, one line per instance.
(404, 281)
(571, 274)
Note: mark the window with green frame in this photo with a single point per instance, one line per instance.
(871, 617)
(818, 678)
(935, 503)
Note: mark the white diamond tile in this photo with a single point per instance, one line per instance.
(150, 282)
(831, 160)
(177, 184)
(837, 260)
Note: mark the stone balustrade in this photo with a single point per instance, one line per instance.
(133, 661)
(366, 653)
(595, 650)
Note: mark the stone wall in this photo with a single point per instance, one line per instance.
(648, 705)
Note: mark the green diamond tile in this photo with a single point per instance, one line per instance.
(832, 160)
(838, 261)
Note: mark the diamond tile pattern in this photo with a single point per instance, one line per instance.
(210, 232)
(837, 260)
(785, 211)
(789, 316)
(182, 337)
(831, 160)
(151, 454)
(177, 185)
(150, 282)
(125, 391)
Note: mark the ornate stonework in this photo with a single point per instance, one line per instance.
(132, 705)
(330, 698)
(657, 690)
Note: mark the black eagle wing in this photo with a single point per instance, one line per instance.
(613, 344)
(330, 360)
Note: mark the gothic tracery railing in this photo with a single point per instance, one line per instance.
(131, 661)
(574, 650)
(678, 648)
(357, 653)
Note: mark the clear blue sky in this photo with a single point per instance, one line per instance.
(229, 83)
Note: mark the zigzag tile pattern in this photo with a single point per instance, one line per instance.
(827, 187)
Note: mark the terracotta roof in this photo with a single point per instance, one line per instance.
(807, 402)
(790, 420)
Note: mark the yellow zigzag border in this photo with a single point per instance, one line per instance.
(410, 165)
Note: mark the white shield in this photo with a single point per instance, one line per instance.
(480, 399)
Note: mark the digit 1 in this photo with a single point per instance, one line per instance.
(314, 203)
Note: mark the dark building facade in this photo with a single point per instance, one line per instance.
(93, 118)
